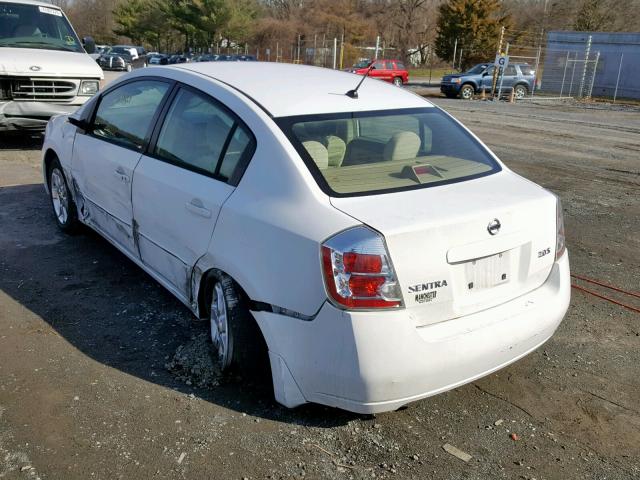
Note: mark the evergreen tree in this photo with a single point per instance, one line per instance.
(475, 24)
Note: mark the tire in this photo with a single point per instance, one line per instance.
(467, 91)
(64, 208)
(397, 81)
(237, 344)
(520, 91)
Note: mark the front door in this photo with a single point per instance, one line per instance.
(105, 157)
(181, 185)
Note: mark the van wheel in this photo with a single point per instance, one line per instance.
(466, 92)
(237, 343)
(64, 209)
(397, 81)
(520, 91)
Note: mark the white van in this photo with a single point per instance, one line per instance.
(44, 68)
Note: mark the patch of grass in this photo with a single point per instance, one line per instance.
(435, 72)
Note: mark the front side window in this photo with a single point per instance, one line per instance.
(201, 135)
(124, 114)
(376, 152)
(35, 26)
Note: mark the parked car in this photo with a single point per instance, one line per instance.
(157, 59)
(178, 58)
(519, 77)
(246, 58)
(392, 71)
(44, 69)
(370, 245)
(123, 58)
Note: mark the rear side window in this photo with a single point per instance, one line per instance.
(124, 114)
(367, 153)
(194, 132)
(526, 70)
(201, 135)
(510, 71)
(400, 66)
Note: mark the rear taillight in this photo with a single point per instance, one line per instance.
(358, 272)
(560, 240)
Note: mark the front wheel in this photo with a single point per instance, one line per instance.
(520, 91)
(64, 209)
(466, 92)
(397, 81)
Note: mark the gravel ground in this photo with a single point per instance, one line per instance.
(103, 374)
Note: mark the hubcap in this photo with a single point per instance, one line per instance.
(466, 93)
(220, 326)
(59, 196)
(520, 93)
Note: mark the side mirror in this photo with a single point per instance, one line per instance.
(89, 45)
(164, 61)
(80, 123)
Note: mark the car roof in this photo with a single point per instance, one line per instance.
(284, 89)
(32, 2)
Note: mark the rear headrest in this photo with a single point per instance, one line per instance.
(402, 146)
(336, 149)
(318, 153)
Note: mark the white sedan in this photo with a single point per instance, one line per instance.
(377, 249)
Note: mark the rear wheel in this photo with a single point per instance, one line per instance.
(237, 344)
(397, 81)
(467, 91)
(64, 209)
(520, 91)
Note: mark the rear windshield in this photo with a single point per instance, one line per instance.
(377, 152)
(36, 26)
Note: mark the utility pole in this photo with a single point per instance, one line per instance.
(455, 51)
(335, 51)
(495, 70)
(342, 51)
(375, 57)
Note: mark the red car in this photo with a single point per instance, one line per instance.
(392, 71)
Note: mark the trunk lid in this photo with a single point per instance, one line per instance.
(447, 263)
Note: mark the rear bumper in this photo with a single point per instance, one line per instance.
(370, 362)
(16, 116)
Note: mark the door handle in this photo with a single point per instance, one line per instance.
(196, 206)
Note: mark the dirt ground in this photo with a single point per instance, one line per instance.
(100, 366)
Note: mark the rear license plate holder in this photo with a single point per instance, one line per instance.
(488, 272)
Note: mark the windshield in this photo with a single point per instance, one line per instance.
(378, 152)
(477, 69)
(34, 26)
(362, 64)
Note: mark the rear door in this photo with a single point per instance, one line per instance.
(180, 185)
(510, 76)
(105, 157)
